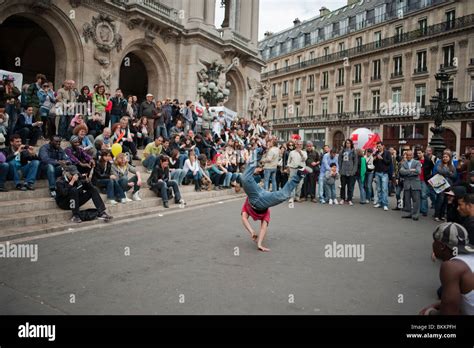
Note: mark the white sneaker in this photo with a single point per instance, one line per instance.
(136, 196)
(377, 206)
(292, 200)
(367, 202)
(385, 208)
(330, 202)
(336, 202)
(341, 202)
(350, 203)
(124, 200)
(112, 202)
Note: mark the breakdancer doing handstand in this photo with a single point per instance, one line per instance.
(259, 200)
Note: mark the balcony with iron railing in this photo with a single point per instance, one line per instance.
(150, 6)
(448, 66)
(324, 87)
(356, 81)
(458, 110)
(420, 70)
(376, 78)
(397, 74)
(339, 84)
(440, 28)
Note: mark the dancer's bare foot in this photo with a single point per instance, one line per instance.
(262, 248)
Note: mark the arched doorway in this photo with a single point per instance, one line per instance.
(133, 77)
(26, 48)
(238, 97)
(449, 139)
(338, 140)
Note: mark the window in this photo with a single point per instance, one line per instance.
(301, 41)
(324, 105)
(378, 39)
(448, 53)
(340, 77)
(310, 108)
(285, 88)
(359, 41)
(274, 90)
(314, 36)
(397, 66)
(343, 25)
(275, 66)
(423, 26)
(273, 112)
(376, 65)
(396, 95)
(342, 46)
(311, 83)
(399, 34)
(380, 14)
(298, 86)
(311, 55)
(298, 59)
(472, 89)
(400, 8)
(327, 31)
(420, 95)
(450, 89)
(325, 80)
(326, 51)
(285, 110)
(287, 63)
(360, 20)
(288, 45)
(421, 62)
(376, 101)
(406, 132)
(340, 104)
(356, 103)
(450, 19)
(357, 73)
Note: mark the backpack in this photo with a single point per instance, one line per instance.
(88, 214)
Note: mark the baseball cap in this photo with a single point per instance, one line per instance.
(149, 95)
(454, 236)
(71, 170)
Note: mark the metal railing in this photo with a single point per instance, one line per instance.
(154, 5)
(420, 70)
(440, 28)
(425, 113)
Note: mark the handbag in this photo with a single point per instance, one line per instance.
(88, 214)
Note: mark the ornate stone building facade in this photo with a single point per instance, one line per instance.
(335, 73)
(155, 46)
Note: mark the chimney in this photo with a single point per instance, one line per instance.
(323, 11)
(268, 34)
(296, 22)
(350, 2)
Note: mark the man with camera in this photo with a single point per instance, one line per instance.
(53, 159)
(23, 158)
(74, 190)
(382, 161)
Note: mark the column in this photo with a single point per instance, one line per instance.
(210, 12)
(255, 16)
(196, 11)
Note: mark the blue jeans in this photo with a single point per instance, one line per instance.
(29, 171)
(236, 177)
(114, 119)
(114, 190)
(330, 191)
(228, 177)
(178, 175)
(424, 198)
(161, 130)
(64, 122)
(261, 199)
(322, 190)
(182, 158)
(196, 177)
(441, 204)
(368, 183)
(361, 189)
(270, 173)
(381, 180)
(4, 169)
(150, 162)
(52, 173)
(162, 186)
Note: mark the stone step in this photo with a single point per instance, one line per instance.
(50, 215)
(40, 229)
(42, 192)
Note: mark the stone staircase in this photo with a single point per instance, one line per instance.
(32, 213)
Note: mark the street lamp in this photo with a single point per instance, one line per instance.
(439, 111)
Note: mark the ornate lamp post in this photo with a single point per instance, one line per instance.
(439, 112)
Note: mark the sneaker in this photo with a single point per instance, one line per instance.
(367, 202)
(330, 202)
(20, 187)
(112, 202)
(165, 204)
(304, 170)
(341, 202)
(29, 187)
(350, 203)
(52, 193)
(437, 219)
(104, 216)
(76, 219)
(136, 196)
(377, 206)
(181, 201)
(292, 200)
(336, 202)
(385, 208)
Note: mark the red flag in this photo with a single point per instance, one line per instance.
(372, 143)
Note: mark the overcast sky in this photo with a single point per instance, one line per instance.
(277, 15)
